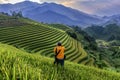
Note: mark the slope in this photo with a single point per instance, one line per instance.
(17, 64)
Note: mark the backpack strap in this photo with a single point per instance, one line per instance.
(58, 52)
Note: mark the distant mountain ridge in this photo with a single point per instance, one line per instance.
(51, 13)
(57, 13)
(114, 19)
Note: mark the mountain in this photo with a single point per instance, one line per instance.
(114, 19)
(23, 6)
(51, 13)
(109, 32)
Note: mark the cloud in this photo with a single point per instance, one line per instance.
(110, 9)
(16, 1)
(10, 1)
(67, 3)
(98, 7)
(2, 1)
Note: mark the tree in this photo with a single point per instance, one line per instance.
(17, 14)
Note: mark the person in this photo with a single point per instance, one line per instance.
(59, 54)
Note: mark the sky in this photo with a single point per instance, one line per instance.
(94, 7)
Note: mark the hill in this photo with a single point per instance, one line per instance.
(17, 64)
(108, 33)
(43, 13)
(40, 38)
(108, 40)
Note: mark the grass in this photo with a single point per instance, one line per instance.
(16, 64)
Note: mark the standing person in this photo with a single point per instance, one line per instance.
(59, 54)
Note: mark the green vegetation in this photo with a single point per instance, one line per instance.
(19, 65)
(108, 41)
(40, 38)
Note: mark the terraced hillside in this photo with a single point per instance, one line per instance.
(19, 65)
(42, 39)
